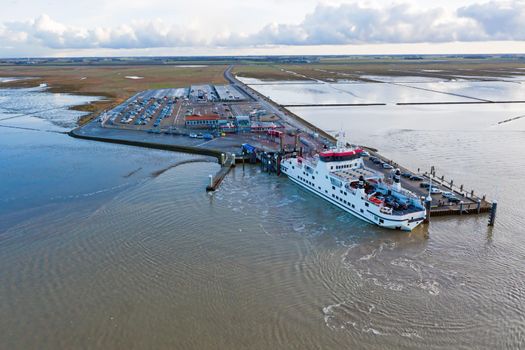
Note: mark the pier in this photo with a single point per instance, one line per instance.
(227, 162)
(468, 201)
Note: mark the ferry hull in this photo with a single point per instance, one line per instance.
(406, 225)
(339, 179)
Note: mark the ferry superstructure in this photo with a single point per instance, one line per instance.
(341, 177)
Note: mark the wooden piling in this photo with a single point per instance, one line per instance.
(493, 210)
(428, 204)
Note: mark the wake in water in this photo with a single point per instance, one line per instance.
(197, 160)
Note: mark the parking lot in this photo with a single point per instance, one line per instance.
(165, 110)
(442, 197)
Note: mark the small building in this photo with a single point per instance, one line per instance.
(202, 121)
(265, 126)
(243, 123)
(227, 128)
(258, 113)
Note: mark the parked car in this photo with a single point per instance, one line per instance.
(435, 190)
(450, 197)
(406, 175)
(416, 178)
(365, 154)
(377, 161)
(200, 136)
(453, 199)
(387, 166)
(207, 136)
(372, 159)
(193, 135)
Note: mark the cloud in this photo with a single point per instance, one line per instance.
(498, 20)
(344, 24)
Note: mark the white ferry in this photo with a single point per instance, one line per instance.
(341, 177)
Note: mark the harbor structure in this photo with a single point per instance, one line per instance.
(281, 136)
(202, 121)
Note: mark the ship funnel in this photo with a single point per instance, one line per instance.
(361, 183)
(397, 180)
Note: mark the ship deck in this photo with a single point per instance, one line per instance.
(352, 175)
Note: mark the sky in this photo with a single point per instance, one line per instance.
(35, 28)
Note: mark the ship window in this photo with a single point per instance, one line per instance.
(293, 167)
(367, 204)
(344, 201)
(326, 176)
(333, 187)
(362, 211)
(333, 195)
(319, 187)
(313, 177)
(381, 221)
(346, 194)
(331, 167)
(353, 206)
(325, 191)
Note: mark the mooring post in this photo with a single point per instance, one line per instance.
(428, 204)
(223, 160)
(492, 218)
(461, 208)
(279, 158)
(479, 206)
(211, 181)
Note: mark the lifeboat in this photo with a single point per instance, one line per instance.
(375, 200)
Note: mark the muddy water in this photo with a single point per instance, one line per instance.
(100, 248)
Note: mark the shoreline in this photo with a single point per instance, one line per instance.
(94, 108)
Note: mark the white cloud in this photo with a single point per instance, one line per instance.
(342, 24)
